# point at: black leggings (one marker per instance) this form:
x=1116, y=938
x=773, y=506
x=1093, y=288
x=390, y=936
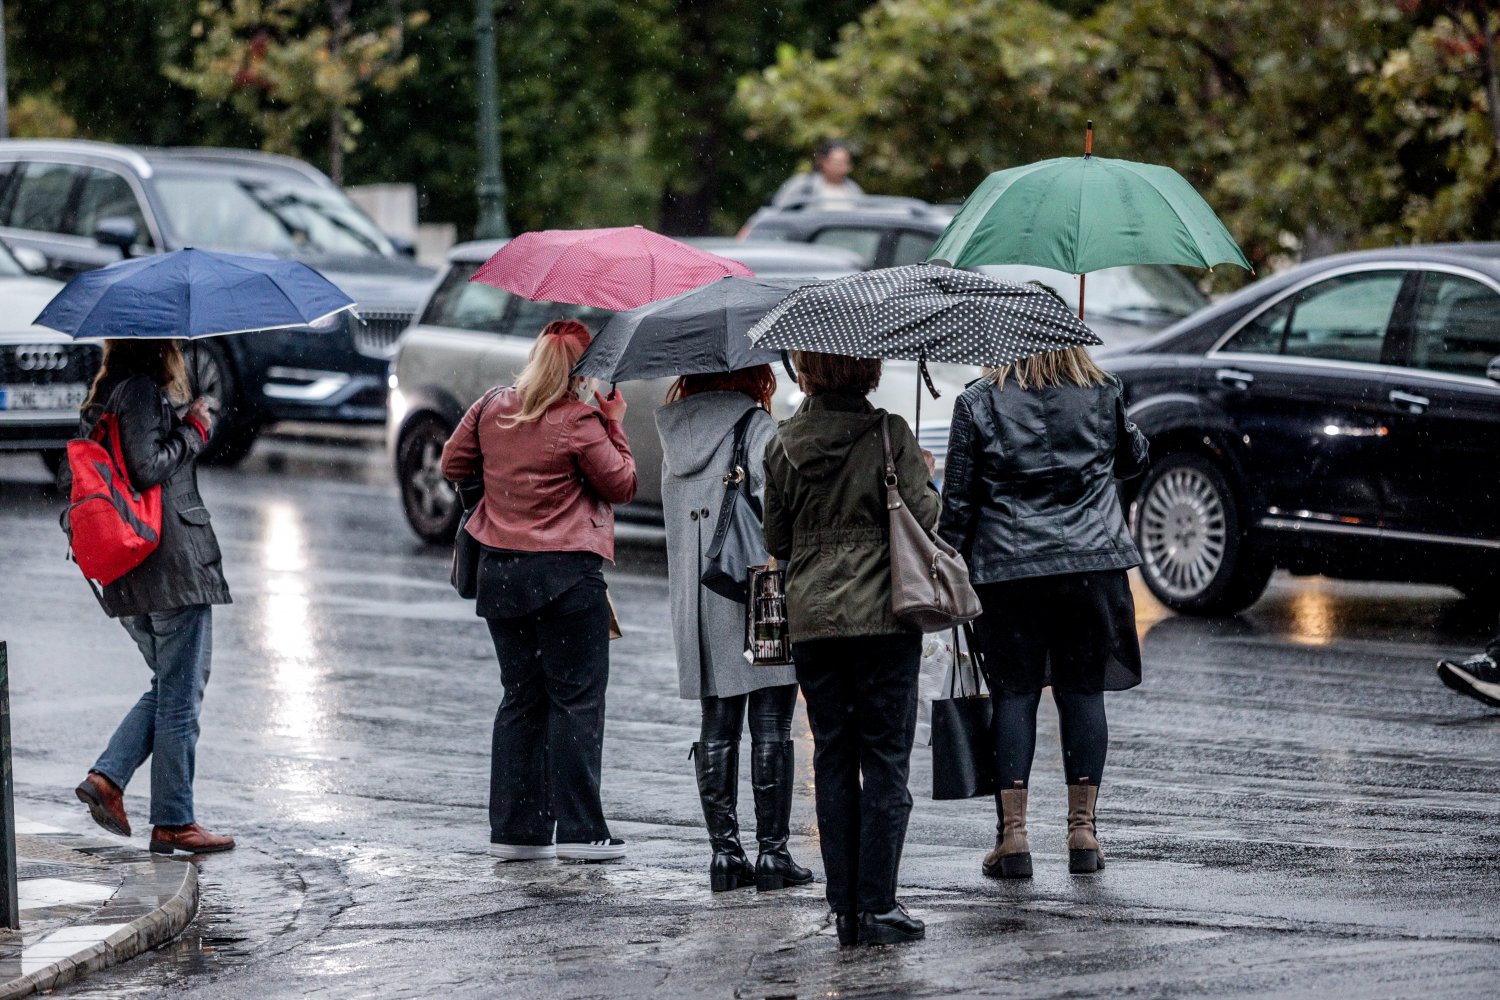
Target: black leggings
x=770, y=712
x=1084, y=730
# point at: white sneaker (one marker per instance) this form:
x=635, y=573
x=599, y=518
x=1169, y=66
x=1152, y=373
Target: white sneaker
x=612, y=849
x=523, y=852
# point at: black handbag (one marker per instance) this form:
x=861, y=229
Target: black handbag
x=963, y=747
x=466, y=548
x=738, y=541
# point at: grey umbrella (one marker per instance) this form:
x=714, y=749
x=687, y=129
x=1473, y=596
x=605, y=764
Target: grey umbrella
x=697, y=332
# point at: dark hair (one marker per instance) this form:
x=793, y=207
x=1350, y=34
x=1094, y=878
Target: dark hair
x=159, y=360
x=757, y=382
x=817, y=373
x=829, y=145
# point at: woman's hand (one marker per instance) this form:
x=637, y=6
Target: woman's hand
x=201, y=412
x=612, y=406
x=931, y=461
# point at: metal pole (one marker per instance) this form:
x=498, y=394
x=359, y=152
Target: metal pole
x=4, y=90
x=492, y=224
x=10, y=905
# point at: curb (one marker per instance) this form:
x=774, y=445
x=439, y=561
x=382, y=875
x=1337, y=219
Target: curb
x=172, y=886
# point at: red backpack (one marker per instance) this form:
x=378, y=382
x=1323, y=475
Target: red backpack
x=112, y=527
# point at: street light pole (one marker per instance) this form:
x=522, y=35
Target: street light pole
x=492, y=224
x=4, y=90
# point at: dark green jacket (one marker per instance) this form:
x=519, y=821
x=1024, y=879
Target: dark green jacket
x=826, y=519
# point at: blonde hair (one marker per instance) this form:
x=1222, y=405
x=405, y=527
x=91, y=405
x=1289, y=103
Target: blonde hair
x=1055, y=368
x=547, y=377
x=159, y=360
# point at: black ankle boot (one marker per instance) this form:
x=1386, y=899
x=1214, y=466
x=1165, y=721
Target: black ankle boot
x=771, y=777
x=895, y=926
x=847, y=924
x=718, y=763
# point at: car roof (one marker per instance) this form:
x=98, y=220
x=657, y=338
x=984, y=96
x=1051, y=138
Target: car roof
x=761, y=256
x=876, y=211
x=145, y=159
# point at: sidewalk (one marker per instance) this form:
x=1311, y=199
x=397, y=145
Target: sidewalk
x=88, y=903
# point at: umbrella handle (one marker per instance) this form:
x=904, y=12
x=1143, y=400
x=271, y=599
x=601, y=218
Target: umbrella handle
x=786, y=362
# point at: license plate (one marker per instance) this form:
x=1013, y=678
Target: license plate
x=43, y=397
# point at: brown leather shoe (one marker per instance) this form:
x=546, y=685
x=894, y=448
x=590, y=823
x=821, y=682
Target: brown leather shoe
x=1011, y=857
x=106, y=802
x=1085, y=856
x=191, y=838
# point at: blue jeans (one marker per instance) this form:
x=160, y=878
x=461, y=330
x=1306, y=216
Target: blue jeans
x=163, y=725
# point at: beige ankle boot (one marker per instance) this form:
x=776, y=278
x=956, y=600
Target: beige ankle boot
x=1084, y=854
x=1011, y=857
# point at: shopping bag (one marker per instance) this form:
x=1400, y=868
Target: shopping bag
x=767, y=640
x=933, y=678
x=963, y=747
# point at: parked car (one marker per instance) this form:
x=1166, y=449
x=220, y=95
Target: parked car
x=86, y=204
x=1340, y=418
x=1123, y=305
x=44, y=375
x=472, y=336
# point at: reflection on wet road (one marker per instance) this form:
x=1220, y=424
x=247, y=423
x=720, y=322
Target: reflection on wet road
x=1293, y=804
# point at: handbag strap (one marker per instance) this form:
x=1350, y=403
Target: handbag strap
x=734, y=481
x=892, y=481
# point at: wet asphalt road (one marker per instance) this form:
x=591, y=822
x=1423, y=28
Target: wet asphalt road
x=1293, y=805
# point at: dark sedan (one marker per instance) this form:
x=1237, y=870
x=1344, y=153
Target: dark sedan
x=1340, y=418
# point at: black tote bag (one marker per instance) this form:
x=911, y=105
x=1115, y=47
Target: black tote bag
x=738, y=541
x=963, y=748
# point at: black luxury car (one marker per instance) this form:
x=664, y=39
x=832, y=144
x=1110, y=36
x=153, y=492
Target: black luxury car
x=82, y=205
x=1340, y=418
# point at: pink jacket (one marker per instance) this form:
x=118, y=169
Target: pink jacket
x=548, y=485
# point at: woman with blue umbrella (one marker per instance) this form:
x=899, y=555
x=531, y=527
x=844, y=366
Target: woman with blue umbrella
x=142, y=308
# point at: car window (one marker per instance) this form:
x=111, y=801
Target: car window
x=104, y=194
x=465, y=304
x=912, y=248
x=1344, y=318
x=41, y=197
x=864, y=242
x=1262, y=335
x=1455, y=326
x=531, y=316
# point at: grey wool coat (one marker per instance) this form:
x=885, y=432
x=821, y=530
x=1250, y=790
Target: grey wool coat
x=697, y=443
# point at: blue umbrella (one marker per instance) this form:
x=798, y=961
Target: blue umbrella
x=193, y=293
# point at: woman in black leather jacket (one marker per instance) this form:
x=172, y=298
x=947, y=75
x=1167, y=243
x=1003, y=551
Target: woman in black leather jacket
x=1029, y=499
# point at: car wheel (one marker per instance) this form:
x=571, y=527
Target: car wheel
x=1187, y=524
x=235, y=426
x=430, y=503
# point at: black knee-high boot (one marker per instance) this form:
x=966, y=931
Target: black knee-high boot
x=771, y=776
x=718, y=764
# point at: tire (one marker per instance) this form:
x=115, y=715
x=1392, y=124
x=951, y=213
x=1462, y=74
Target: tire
x=1187, y=523
x=429, y=502
x=235, y=424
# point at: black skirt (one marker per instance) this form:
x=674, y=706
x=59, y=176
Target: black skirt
x=1073, y=632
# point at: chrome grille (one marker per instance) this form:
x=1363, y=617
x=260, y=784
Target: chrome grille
x=377, y=330
x=49, y=364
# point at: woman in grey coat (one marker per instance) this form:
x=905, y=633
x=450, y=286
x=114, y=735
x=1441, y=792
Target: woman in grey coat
x=698, y=427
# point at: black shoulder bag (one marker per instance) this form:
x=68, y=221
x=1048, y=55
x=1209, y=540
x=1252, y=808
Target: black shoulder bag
x=738, y=541
x=466, y=548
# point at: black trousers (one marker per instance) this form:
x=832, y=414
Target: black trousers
x=547, y=748
x=862, y=706
x=770, y=710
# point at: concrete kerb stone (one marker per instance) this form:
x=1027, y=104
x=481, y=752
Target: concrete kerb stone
x=171, y=885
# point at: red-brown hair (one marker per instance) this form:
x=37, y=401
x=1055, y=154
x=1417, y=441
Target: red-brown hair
x=759, y=383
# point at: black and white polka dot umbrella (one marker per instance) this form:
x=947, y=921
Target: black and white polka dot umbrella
x=922, y=312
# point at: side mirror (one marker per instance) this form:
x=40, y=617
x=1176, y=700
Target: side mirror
x=404, y=246
x=117, y=231
x=1492, y=371
x=32, y=260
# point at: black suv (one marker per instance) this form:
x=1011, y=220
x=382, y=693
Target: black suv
x=85, y=204
x=1340, y=418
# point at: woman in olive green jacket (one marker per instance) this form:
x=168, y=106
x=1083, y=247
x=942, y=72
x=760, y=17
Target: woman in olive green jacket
x=826, y=518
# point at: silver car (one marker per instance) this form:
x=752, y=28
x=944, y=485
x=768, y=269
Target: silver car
x=470, y=337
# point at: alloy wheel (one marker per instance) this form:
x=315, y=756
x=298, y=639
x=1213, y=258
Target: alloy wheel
x=1183, y=532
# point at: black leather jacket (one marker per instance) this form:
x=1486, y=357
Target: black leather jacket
x=186, y=567
x=1029, y=486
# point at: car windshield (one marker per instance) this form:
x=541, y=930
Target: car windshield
x=1147, y=294
x=222, y=212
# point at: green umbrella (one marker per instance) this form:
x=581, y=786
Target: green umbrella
x=1081, y=214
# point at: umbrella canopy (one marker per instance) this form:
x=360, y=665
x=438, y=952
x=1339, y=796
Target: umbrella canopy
x=193, y=293
x=614, y=269
x=922, y=312
x=694, y=333
x=1083, y=213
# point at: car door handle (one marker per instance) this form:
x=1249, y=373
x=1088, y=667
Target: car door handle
x=1409, y=401
x=1234, y=378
